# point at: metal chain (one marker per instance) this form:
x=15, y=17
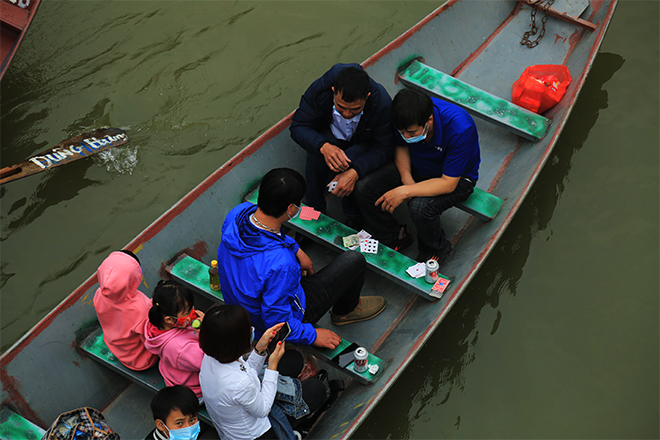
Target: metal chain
x=525, y=40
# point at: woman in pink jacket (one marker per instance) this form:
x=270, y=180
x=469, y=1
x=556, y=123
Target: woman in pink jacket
x=169, y=335
x=122, y=309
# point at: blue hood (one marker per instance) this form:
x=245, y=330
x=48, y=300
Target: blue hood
x=242, y=239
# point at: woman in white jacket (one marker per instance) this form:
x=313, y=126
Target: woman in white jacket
x=237, y=401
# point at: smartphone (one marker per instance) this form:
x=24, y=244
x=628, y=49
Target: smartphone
x=346, y=356
x=281, y=335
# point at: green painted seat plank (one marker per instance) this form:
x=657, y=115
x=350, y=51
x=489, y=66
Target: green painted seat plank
x=15, y=427
x=194, y=273
x=482, y=204
x=366, y=378
x=387, y=262
x=151, y=379
x=478, y=102
x=94, y=345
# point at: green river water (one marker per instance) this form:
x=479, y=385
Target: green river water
x=557, y=336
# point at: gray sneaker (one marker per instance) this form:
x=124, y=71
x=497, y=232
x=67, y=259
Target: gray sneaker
x=368, y=307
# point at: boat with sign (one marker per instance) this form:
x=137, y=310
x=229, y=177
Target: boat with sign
x=468, y=52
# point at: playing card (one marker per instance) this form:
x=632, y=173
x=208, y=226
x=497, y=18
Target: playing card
x=332, y=185
x=309, y=213
x=363, y=235
x=417, y=271
x=369, y=246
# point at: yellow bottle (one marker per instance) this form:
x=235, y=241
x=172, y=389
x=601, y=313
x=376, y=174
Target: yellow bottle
x=214, y=278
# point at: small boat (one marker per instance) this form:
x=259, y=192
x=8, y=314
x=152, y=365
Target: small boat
x=15, y=18
x=465, y=51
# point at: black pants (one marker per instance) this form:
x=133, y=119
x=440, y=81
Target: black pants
x=336, y=286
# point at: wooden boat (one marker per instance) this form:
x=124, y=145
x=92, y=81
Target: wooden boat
x=47, y=372
x=15, y=18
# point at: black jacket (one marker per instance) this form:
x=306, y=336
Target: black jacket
x=315, y=114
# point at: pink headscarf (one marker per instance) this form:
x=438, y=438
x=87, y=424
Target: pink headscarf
x=122, y=310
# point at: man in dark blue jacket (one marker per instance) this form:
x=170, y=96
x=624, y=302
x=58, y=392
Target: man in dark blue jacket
x=343, y=122
x=436, y=166
x=260, y=269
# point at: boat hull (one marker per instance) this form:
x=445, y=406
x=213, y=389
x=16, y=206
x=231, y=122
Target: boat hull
x=47, y=357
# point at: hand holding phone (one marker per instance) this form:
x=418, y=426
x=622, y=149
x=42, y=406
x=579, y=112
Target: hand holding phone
x=281, y=335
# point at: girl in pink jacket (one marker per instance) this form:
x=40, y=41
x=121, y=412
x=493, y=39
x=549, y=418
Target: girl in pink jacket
x=168, y=334
x=122, y=309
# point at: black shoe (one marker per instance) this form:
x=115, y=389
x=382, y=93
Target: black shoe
x=404, y=240
x=441, y=257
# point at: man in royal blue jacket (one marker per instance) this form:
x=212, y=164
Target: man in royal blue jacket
x=260, y=268
x=343, y=122
x=436, y=166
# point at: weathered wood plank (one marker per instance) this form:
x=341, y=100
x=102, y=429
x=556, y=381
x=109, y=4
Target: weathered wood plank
x=478, y=102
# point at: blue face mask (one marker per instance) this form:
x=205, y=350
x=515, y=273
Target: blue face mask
x=189, y=433
x=421, y=137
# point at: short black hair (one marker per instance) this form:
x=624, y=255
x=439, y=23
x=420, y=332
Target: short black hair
x=127, y=252
x=171, y=398
x=411, y=107
x=353, y=84
x=280, y=188
x=169, y=299
x=225, y=333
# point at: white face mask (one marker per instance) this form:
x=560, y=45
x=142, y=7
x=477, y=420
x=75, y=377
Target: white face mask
x=295, y=215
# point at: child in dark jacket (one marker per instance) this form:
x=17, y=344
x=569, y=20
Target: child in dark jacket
x=175, y=410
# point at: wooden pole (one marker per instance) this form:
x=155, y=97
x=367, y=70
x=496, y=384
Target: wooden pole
x=75, y=148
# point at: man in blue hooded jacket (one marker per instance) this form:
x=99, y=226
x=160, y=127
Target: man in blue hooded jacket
x=261, y=267
x=343, y=121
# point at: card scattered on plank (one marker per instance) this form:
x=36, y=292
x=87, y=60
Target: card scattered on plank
x=363, y=235
x=417, y=271
x=332, y=185
x=369, y=246
x=309, y=213
x=440, y=285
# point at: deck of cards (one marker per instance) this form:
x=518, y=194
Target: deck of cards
x=332, y=185
x=440, y=286
x=309, y=213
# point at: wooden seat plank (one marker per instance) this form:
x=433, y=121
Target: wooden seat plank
x=151, y=379
x=482, y=205
x=13, y=16
x=478, y=102
x=567, y=11
x=194, y=274
x=15, y=427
